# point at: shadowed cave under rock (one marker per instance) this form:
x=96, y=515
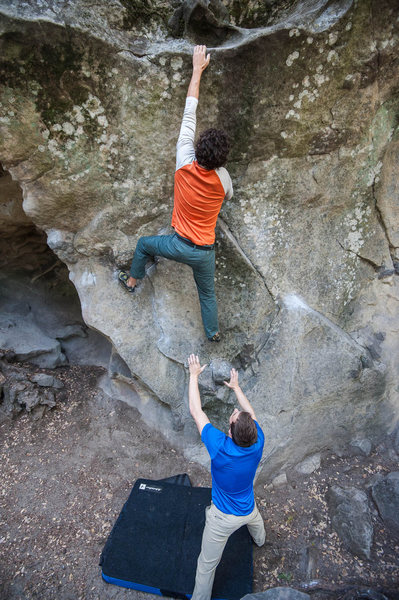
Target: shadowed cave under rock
x=40, y=315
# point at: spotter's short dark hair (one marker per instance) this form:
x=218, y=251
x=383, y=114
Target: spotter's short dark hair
x=212, y=148
x=243, y=431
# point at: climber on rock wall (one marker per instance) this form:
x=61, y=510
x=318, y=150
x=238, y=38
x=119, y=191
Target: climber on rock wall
x=201, y=185
x=234, y=460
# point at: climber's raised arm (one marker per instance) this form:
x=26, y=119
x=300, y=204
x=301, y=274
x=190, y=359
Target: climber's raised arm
x=185, y=153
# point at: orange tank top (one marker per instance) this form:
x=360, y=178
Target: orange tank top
x=198, y=198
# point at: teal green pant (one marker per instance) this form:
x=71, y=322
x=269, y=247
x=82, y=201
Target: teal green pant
x=202, y=263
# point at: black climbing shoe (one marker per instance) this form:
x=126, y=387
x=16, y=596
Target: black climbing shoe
x=123, y=277
x=215, y=338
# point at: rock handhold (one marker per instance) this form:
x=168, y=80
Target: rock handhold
x=203, y=21
x=385, y=494
x=350, y=517
x=220, y=371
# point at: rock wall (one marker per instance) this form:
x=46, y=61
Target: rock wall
x=307, y=249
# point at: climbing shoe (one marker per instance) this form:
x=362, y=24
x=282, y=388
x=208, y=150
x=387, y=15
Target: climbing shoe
x=123, y=277
x=215, y=338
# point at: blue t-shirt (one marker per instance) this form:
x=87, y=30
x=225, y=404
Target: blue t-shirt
x=233, y=470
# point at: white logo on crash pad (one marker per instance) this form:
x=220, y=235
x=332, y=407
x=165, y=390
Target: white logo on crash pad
x=149, y=488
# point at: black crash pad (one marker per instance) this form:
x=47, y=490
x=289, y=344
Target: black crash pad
x=155, y=543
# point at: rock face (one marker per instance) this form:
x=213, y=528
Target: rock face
x=386, y=496
x=91, y=99
x=350, y=516
x=395, y=439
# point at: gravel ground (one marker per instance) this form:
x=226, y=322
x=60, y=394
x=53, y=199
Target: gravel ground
x=64, y=479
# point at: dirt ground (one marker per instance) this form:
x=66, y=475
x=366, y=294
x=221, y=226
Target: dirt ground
x=65, y=477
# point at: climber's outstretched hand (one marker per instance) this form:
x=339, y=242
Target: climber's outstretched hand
x=194, y=365
x=200, y=63
x=200, y=59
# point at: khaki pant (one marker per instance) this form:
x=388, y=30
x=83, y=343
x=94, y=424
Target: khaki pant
x=218, y=529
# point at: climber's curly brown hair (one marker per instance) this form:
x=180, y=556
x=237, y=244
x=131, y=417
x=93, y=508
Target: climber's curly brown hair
x=212, y=148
